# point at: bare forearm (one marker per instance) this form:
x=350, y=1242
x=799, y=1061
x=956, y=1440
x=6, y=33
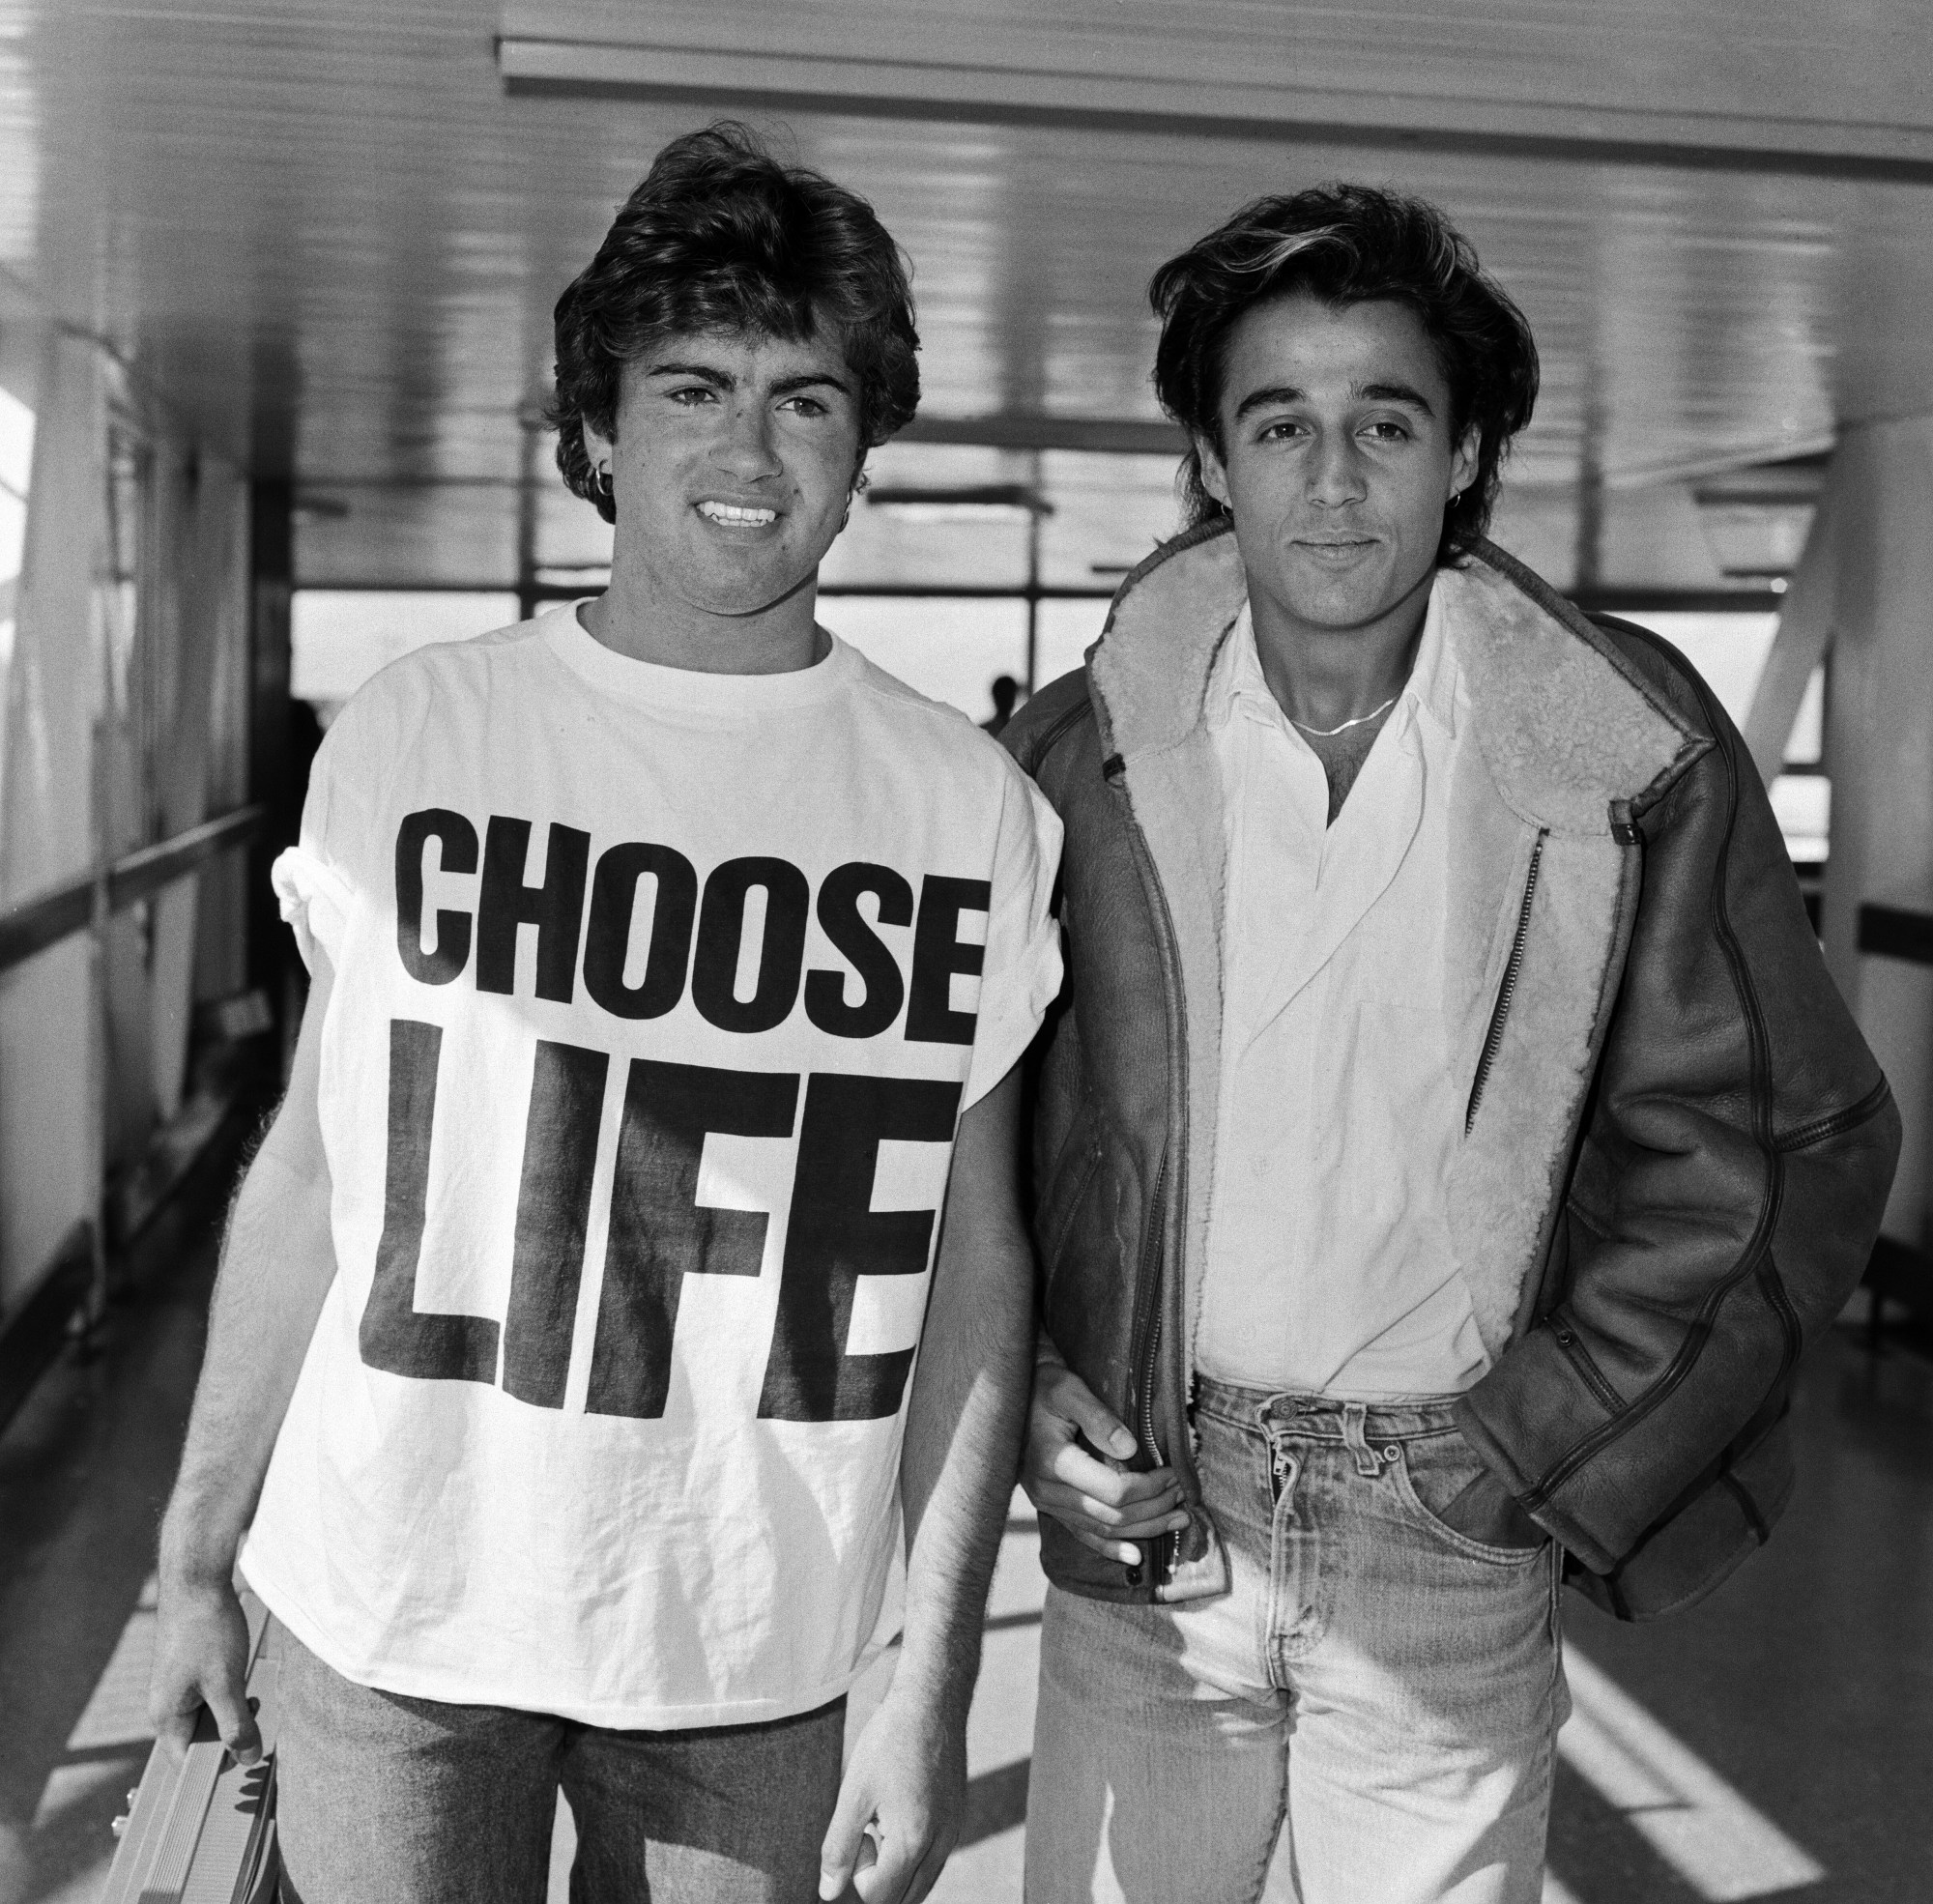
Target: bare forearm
x=963, y=1434
x=277, y=1263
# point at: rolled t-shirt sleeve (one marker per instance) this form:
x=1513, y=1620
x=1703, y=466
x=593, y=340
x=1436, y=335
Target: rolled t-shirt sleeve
x=314, y=883
x=1020, y=970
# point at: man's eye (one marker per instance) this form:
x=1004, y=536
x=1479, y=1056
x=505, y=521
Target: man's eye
x=691, y=396
x=1389, y=430
x=805, y=406
x=1281, y=429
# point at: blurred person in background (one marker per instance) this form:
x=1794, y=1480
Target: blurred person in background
x=1446, y=1141
x=1005, y=690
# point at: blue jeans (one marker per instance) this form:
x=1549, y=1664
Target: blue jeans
x=1369, y=1712
x=416, y=1802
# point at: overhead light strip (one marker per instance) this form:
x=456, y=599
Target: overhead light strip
x=1112, y=103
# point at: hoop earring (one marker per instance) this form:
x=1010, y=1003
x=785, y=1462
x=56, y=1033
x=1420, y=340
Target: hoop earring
x=600, y=484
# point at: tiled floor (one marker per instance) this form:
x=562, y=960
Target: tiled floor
x=1777, y=1742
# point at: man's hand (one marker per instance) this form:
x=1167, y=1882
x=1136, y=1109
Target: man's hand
x=1486, y=1511
x=201, y=1658
x=901, y=1806
x=1096, y=1499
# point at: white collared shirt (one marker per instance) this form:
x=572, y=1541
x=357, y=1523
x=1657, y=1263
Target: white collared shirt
x=1330, y=1269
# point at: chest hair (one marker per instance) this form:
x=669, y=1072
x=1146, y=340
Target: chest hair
x=1343, y=755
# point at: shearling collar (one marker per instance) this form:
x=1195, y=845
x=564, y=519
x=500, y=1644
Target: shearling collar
x=1565, y=726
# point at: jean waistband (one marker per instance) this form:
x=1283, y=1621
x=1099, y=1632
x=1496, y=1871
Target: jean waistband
x=1323, y=1417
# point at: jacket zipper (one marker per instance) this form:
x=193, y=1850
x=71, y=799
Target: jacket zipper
x=1494, y=1036
x=1148, y=1318
x=1147, y=1325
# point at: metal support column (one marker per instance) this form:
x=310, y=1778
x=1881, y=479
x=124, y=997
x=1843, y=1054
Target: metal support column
x=1865, y=588
x=270, y=785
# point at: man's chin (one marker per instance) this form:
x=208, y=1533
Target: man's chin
x=742, y=597
x=1339, y=613
x=1356, y=601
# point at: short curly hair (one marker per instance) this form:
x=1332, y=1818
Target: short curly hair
x=1348, y=244
x=721, y=237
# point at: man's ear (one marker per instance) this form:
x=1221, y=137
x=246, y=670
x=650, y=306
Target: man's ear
x=1463, y=463
x=598, y=447
x=1214, y=475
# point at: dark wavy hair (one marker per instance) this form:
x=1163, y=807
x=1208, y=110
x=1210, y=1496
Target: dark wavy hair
x=1348, y=244
x=721, y=237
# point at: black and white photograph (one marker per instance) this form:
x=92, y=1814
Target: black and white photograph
x=966, y=950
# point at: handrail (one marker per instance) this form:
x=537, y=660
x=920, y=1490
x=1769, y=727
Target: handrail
x=1897, y=931
x=35, y=924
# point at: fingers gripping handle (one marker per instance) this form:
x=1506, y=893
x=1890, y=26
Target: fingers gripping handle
x=199, y=1824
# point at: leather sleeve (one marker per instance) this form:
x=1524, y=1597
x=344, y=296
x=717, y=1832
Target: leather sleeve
x=1738, y=1144
x=1054, y=1063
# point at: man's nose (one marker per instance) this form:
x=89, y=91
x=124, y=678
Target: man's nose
x=746, y=446
x=1336, y=472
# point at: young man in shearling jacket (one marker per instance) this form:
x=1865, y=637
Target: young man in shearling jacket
x=1447, y=1138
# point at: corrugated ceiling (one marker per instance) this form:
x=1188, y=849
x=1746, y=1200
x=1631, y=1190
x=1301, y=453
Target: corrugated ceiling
x=330, y=234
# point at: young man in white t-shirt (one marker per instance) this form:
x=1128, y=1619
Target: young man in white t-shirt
x=671, y=966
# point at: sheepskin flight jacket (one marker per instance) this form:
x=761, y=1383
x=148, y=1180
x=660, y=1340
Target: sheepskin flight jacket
x=1678, y=1145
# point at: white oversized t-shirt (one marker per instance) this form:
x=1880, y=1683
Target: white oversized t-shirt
x=658, y=995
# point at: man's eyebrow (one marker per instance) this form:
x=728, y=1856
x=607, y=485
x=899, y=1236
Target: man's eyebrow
x=1394, y=394
x=1262, y=399
x=1380, y=392
x=807, y=379
x=724, y=380
x=706, y=373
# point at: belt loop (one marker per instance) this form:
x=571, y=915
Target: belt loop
x=1355, y=1421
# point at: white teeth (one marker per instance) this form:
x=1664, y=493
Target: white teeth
x=729, y=512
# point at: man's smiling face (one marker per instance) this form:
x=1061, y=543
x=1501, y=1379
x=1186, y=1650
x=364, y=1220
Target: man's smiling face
x=732, y=466
x=1337, y=460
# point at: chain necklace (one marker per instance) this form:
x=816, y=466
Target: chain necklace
x=1329, y=733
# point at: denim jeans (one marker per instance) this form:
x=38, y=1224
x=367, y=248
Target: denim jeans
x=416, y=1802
x=1367, y=1717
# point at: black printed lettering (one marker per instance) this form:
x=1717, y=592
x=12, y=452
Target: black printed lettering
x=555, y=908
x=937, y=954
x=394, y=1335
x=451, y=950
x=607, y=938
x=660, y=1232
x=878, y=971
x=553, y=1212
x=721, y=927
x=835, y=1237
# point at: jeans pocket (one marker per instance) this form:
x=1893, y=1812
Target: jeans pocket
x=1428, y=1472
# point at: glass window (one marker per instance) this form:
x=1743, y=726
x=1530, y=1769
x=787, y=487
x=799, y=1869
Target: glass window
x=949, y=648
x=1069, y=626
x=339, y=637
x=16, y=462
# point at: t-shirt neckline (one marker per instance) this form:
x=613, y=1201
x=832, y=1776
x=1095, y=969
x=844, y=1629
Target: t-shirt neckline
x=651, y=684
